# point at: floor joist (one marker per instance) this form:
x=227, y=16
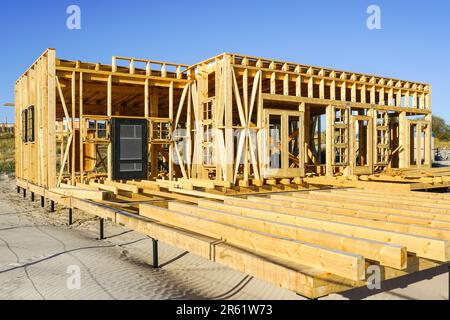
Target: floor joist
x=347, y=265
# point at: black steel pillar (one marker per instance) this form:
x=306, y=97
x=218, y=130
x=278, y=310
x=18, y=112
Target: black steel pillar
x=32, y=197
x=52, y=206
x=42, y=202
x=102, y=229
x=155, y=253
x=70, y=216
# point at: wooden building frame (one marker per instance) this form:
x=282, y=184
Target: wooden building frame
x=231, y=119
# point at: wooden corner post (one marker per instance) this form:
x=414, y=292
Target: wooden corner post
x=51, y=119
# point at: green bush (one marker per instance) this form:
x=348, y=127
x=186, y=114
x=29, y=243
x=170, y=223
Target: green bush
x=441, y=129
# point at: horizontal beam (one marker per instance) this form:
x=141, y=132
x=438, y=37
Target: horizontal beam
x=378, y=213
x=198, y=194
x=387, y=254
x=350, y=266
x=408, y=198
x=81, y=193
x=426, y=247
x=438, y=233
x=327, y=102
x=292, y=65
x=331, y=181
x=338, y=199
x=388, y=201
x=121, y=78
x=106, y=187
x=122, y=186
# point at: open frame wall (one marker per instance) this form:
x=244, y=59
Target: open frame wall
x=234, y=119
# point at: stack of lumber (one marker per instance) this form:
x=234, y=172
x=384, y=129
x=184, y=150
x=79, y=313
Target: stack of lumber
x=393, y=181
x=336, y=232
x=418, y=172
x=422, y=178
x=313, y=242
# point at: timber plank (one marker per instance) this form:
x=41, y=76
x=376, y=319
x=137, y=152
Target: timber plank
x=387, y=254
x=426, y=247
x=80, y=193
x=438, y=233
x=343, y=264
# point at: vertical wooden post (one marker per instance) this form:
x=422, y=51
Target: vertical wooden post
x=38, y=121
x=51, y=119
x=189, y=134
x=428, y=133
x=301, y=138
x=109, y=112
x=307, y=133
x=114, y=64
x=411, y=140
x=229, y=137
x=298, y=82
x=374, y=141
x=419, y=144
x=247, y=117
x=261, y=133
x=329, y=138
x=17, y=126
x=146, y=99
x=154, y=112
x=44, y=125
x=351, y=145
x=74, y=142
x=428, y=144
x=371, y=138
x=81, y=128
x=171, y=117
x=319, y=139
x=146, y=115
x=403, y=140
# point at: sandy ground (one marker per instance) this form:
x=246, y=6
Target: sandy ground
x=37, y=248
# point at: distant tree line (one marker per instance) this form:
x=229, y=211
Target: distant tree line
x=441, y=130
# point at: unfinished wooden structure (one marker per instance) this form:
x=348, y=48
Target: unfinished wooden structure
x=232, y=119
x=228, y=158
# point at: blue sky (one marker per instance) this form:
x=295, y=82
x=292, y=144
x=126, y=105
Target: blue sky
x=412, y=45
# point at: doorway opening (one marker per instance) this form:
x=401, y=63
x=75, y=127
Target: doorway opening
x=284, y=149
x=362, y=144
